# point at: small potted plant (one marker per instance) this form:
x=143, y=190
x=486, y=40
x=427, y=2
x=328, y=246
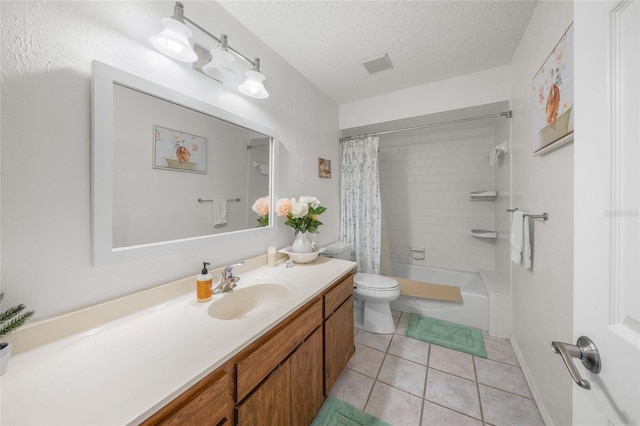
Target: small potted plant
x=10, y=320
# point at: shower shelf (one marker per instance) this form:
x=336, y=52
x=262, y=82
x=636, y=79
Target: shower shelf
x=484, y=195
x=483, y=233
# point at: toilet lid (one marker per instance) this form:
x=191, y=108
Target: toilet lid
x=374, y=282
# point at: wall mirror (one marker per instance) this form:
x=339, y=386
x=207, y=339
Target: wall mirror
x=169, y=172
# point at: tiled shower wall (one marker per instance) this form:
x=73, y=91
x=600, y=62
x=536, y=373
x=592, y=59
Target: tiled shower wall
x=425, y=183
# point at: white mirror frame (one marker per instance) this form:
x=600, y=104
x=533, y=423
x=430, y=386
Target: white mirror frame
x=103, y=252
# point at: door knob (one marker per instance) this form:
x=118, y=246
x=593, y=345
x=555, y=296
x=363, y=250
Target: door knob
x=584, y=350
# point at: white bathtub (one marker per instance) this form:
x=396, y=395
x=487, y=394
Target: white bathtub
x=472, y=311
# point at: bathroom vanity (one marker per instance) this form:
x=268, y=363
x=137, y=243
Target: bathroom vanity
x=281, y=377
x=175, y=363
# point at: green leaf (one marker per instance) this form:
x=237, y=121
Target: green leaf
x=15, y=323
x=10, y=313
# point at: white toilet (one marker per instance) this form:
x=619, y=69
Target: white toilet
x=373, y=294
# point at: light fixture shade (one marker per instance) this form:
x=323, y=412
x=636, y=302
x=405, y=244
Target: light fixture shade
x=253, y=86
x=173, y=41
x=219, y=67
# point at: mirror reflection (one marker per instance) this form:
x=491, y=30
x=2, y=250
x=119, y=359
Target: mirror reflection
x=180, y=173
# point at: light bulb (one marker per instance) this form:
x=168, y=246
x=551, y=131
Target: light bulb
x=173, y=41
x=253, y=86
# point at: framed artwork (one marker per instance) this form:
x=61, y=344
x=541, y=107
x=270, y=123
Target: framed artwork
x=552, y=98
x=179, y=151
x=324, y=168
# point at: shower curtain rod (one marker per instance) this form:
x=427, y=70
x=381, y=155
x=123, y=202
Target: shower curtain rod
x=442, y=123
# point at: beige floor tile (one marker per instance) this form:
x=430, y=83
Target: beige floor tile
x=505, y=409
x=404, y=375
x=502, y=376
x=453, y=392
x=408, y=348
x=366, y=360
x=436, y=415
x=500, y=350
x=401, y=327
x=373, y=340
x=453, y=362
x=394, y=406
x=353, y=387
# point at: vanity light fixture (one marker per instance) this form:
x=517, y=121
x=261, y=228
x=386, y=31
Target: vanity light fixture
x=219, y=67
x=253, y=86
x=173, y=41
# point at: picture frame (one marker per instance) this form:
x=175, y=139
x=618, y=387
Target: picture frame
x=179, y=151
x=552, y=106
x=324, y=168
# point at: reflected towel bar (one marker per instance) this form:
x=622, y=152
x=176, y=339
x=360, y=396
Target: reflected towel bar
x=543, y=216
x=200, y=200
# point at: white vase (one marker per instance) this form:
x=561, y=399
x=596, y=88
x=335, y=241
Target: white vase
x=5, y=352
x=302, y=243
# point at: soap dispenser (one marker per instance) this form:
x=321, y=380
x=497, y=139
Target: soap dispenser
x=204, y=282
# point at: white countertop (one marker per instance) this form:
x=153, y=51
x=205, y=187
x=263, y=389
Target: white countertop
x=124, y=371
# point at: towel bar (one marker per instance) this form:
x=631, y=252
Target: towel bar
x=543, y=216
x=200, y=200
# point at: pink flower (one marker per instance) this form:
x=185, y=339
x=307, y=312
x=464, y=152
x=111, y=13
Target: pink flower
x=283, y=207
x=261, y=206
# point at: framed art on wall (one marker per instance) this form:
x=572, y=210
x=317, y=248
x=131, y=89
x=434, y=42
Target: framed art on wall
x=552, y=98
x=180, y=151
x=324, y=168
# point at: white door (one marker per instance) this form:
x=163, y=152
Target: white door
x=607, y=204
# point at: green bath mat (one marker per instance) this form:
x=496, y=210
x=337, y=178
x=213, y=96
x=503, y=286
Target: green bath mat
x=442, y=333
x=338, y=413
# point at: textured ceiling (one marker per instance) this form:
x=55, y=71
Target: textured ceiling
x=427, y=41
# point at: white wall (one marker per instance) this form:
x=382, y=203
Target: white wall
x=425, y=182
x=47, y=49
x=481, y=88
x=542, y=297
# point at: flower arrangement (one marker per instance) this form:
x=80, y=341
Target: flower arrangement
x=261, y=207
x=302, y=214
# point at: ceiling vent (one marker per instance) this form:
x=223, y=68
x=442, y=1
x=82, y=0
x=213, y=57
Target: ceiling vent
x=378, y=63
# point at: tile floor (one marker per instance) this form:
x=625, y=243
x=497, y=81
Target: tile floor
x=404, y=381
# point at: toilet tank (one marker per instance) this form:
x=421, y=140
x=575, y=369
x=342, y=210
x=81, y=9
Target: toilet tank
x=337, y=250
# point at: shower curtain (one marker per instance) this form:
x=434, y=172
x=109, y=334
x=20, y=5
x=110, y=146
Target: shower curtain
x=360, y=214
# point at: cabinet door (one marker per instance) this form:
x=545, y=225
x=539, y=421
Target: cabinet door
x=306, y=380
x=270, y=403
x=209, y=402
x=338, y=343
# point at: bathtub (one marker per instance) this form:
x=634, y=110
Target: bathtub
x=473, y=310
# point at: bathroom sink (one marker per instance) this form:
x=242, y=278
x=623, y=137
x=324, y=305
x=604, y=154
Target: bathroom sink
x=248, y=301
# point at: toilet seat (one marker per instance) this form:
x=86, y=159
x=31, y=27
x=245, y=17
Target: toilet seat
x=366, y=281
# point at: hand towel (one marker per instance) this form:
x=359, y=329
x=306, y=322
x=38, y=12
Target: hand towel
x=517, y=236
x=219, y=212
x=526, y=245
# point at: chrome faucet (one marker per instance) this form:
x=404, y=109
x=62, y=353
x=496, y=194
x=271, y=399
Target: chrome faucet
x=228, y=280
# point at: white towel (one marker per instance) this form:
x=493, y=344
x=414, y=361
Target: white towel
x=526, y=245
x=219, y=212
x=517, y=236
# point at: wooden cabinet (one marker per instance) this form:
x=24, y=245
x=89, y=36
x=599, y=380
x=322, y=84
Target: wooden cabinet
x=209, y=402
x=270, y=403
x=292, y=394
x=281, y=378
x=338, y=331
x=306, y=380
x=269, y=351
